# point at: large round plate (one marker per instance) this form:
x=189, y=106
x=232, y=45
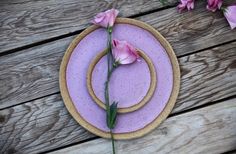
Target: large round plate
x=74, y=68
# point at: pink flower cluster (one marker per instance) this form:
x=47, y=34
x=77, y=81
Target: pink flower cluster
x=212, y=5
x=118, y=53
x=122, y=51
x=230, y=15
x=106, y=19
x=189, y=4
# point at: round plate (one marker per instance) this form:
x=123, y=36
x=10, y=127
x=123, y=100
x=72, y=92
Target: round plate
x=131, y=89
x=73, y=76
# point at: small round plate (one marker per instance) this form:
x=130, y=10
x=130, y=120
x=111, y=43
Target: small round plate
x=132, y=86
x=73, y=77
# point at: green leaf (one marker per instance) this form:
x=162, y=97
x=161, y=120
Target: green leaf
x=111, y=115
x=113, y=110
x=108, y=117
x=163, y=2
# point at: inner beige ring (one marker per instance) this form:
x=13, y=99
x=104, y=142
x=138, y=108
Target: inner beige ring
x=138, y=105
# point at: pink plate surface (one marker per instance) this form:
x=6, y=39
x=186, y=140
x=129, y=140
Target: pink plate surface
x=128, y=84
x=136, y=79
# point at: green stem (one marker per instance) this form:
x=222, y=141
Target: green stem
x=109, y=54
x=223, y=9
x=107, y=88
x=110, y=69
x=109, y=32
x=113, y=142
x=107, y=104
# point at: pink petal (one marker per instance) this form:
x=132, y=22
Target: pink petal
x=210, y=2
x=213, y=5
x=123, y=52
x=220, y=4
x=106, y=18
x=114, y=43
x=99, y=17
x=133, y=51
x=125, y=57
x=232, y=24
x=230, y=15
x=112, y=16
x=189, y=4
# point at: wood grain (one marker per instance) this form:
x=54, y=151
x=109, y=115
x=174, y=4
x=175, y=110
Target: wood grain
x=207, y=76
x=191, y=31
x=30, y=74
x=33, y=73
x=45, y=124
x=37, y=126
x=207, y=130
x=25, y=22
x=28, y=22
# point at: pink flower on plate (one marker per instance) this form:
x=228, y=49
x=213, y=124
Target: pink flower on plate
x=123, y=52
x=230, y=15
x=213, y=5
x=189, y=4
x=106, y=19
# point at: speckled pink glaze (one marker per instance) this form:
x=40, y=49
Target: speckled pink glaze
x=128, y=84
x=94, y=43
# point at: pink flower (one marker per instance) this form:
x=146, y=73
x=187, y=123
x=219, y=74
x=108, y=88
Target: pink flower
x=230, y=15
x=213, y=5
x=189, y=4
x=123, y=52
x=106, y=18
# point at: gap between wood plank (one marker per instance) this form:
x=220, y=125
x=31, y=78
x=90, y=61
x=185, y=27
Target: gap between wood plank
x=75, y=32
x=230, y=152
x=7, y=52
x=208, y=48
x=30, y=100
x=183, y=113
x=37, y=43
x=171, y=115
x=59, y=148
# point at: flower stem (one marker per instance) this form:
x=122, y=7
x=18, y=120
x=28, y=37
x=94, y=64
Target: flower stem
x=113, y=142
x=109, y=61
x=109, y=31
x=110, y=69
x=109, y=54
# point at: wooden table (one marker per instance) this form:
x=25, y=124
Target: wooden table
x=33, y=38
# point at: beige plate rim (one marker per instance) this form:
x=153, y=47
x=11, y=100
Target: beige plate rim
x=145, y=99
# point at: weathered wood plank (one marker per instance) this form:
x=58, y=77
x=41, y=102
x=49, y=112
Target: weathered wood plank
x=207, y=76
x=191, y=31
x=231, y=152
x=45, y=124
x=33, y=73
x=37, y=126
x=207, y=130
x=25, y=22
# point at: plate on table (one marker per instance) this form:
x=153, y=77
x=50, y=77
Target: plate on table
x=158, y=70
